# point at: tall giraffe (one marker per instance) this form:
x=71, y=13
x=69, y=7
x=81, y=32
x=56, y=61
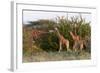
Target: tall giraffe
x=62, y=40
x=78, y=43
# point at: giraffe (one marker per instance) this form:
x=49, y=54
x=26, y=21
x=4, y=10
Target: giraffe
x=62, y=40
x=78, y=43
x=36, y=34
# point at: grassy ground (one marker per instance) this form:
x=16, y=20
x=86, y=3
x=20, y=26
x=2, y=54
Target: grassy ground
x=39, y=55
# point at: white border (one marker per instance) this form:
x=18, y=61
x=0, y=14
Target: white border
x=17, y=38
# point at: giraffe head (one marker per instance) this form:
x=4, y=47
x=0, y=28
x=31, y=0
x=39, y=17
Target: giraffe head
x=70, y=32
x=51, y=31
x=56, y=29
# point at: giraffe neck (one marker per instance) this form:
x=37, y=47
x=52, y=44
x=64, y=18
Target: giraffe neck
x=58, y=34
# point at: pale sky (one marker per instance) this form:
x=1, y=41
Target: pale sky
x=37, y=15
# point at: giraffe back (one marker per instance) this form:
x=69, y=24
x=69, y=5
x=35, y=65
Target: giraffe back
x=37, y=34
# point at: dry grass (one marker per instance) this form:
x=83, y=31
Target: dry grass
x=38, y=55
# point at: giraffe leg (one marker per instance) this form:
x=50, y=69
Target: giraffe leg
x=81, y=46
x=60, y=46
x=74, y=47
x=67, y=47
